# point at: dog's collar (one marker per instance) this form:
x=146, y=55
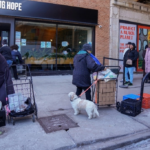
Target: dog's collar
x=74, y=99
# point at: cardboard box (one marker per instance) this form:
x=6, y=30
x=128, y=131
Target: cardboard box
x=106, y=92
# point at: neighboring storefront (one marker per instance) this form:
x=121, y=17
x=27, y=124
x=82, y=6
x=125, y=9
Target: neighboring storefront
x=49, y=35
x=133, y=21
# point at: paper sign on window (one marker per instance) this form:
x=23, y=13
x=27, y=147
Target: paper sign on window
x=64, y=44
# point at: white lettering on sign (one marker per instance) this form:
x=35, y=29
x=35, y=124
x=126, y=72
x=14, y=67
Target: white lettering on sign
x=2, y=4
x=10, y=5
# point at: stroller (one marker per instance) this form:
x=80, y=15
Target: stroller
x=21, y=101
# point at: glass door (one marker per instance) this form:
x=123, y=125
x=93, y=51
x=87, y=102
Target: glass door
x=143, y=40
x=5, y=35
x=4, y=32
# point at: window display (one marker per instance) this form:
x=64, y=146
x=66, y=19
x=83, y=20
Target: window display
x=38, y=46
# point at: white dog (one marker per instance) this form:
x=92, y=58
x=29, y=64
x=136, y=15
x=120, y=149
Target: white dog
x=79, y=104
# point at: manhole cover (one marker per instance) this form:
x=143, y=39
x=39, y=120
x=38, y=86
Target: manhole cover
x=56, y=123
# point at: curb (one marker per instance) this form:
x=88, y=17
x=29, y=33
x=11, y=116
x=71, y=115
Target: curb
x=126, y=140
x=110, y=143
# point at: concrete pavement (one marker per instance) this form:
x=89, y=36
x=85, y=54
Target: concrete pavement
x=51, y=97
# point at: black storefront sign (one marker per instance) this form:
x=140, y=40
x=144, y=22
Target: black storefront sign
x=40, y=10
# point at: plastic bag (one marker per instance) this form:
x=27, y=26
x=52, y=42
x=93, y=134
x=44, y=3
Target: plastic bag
x=110, y=76
x=17, y=102
x=104, y=75
x=29, y=110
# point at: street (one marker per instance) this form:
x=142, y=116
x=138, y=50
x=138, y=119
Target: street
x=142, y=145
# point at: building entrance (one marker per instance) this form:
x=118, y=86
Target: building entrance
x=4, y=32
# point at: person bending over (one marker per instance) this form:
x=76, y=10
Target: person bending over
x=83, y=66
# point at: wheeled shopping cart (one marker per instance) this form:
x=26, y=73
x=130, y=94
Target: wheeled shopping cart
x=21, y=101
x=105, y=93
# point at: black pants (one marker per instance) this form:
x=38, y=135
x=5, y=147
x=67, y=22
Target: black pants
x=15, y=72
x=88, y=93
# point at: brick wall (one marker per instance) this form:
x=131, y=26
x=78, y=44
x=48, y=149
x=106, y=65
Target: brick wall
x=101, y=35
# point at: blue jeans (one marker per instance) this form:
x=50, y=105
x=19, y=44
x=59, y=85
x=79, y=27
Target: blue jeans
x=9, y=62
x=130, y=70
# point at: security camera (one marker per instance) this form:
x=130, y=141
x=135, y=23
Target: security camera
x=100, y=26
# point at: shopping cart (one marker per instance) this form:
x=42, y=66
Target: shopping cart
x=21, y=101
x=105, y=93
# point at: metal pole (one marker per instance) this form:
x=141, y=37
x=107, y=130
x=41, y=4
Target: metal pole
x=103, y=61
x=123, y=73
x=142, y=86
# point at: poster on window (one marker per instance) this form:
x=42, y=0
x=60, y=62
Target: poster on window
x=18, y=40
x=48, y=44
x=5, y=38
x=43, y=44
x=23, y=42
x=128, y=33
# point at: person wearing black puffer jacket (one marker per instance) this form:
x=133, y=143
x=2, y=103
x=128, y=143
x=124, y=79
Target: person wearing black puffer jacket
x=84, y=65
x=131, y=55
x=15, y=54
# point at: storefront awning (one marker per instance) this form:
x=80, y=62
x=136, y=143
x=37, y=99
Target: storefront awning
x=48, y=11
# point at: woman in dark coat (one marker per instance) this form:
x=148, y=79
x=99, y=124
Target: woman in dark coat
x=5, y=76
x=132, y=55
x=83, y=66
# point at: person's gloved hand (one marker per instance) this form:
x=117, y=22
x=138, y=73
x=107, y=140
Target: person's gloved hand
x=105, y=69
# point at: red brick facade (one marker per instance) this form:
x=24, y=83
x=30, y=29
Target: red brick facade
x=101, y=35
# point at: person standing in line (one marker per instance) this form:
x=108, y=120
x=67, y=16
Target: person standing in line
x=84, y=64
x=130, y=60
x=126, y=49
x=5, y=50
x=147, y=62
x=5, y=79
x=143, y=64
x=15, y=54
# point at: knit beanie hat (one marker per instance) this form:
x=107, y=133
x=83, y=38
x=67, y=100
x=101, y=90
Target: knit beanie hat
x=4, y=42
x=133, y=45
x=87, y=47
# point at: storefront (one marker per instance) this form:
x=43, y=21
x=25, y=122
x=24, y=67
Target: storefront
x=132, y=20
x=48, y=35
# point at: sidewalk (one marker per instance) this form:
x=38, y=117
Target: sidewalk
x=51, y=97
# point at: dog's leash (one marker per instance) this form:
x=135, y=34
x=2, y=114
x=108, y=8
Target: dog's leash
x=88, y=88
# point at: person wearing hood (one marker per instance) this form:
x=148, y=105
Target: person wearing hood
x=15, y=54
x=147, y=62
x=130, y=60
x=5, y=79
x=84, y=65
x=5, y=50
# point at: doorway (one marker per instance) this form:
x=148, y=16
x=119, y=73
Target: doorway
x=4, y=32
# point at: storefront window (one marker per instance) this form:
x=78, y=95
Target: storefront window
x=70, y=41
x=143, y=40
x=37, y=44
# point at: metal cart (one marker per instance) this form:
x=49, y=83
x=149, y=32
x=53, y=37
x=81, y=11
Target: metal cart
x=22, y=91
x=105, y=93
